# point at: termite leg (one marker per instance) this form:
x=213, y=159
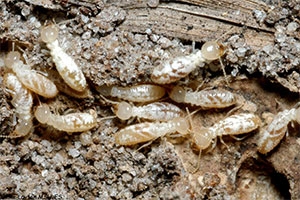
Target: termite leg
x=193, y=46
x=108, y=100
x=139, y=120
x=144, y=145
x=222, y=141
x=213, y=146
x=238, y=138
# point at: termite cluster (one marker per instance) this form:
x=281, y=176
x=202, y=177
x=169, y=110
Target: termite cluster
x=159, y=118
x=22, y=82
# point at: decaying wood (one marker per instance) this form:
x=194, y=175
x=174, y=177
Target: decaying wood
x=198, y=20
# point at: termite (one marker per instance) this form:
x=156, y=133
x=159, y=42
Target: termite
x=180, y=67
x=232, y=125
x=157, y=111
x=276, y=130
x=74, y=122
x=22, y=101
x=65, y=64
x=149, y=131
x=30, y=78
x=138, y=93
x=206, y=99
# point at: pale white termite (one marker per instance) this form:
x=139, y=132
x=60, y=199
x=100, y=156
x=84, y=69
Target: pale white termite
x=30, y=78
x=177, y=68
x=232, y=125
x=65, y=64
x=138, y=93
x=22, y=101
x=276, y=130
x=149, y=131
x=206, y=99
x=157, y=111
x=74, y=122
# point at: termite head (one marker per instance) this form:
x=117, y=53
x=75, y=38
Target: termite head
x=123, y=110
x=202, y=138
x=49, y=33
x=11, y=58
x=42, y=113
x=182, y=125
x=23, y=127
x=178, y=94
x=212, y=50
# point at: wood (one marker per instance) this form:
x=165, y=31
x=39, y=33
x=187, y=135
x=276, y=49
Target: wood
x=198, y=20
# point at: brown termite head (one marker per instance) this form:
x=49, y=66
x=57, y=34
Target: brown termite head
x=178, y=94
x=11, y=58
x=49, y=33
x=42, y=114
x=123, y=110
x=212, y=50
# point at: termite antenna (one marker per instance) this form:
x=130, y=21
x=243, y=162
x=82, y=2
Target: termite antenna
x=25, y=56
x=38, y=98
x=224, y=72
x=13, y=136
x=224, y=50
x=226, y=33
x=108, y=100
x=108, y=117
x=189, y=116
x=233, y=110
x=64, y=21
x=198, y=163
x=200, y=85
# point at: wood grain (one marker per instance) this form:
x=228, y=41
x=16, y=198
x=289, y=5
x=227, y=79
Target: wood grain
x=198, y=20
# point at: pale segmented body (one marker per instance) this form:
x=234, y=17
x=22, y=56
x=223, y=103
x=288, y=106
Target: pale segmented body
x=138, y=93
x=173, y=70
x=22, y=101
x=148, y=131
x=204, y=98
x=29, y=78
x=74, y=122
x=276, y=130
x=59, y=82
x=158, y=111
x=233, y=125
x=65, y=64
